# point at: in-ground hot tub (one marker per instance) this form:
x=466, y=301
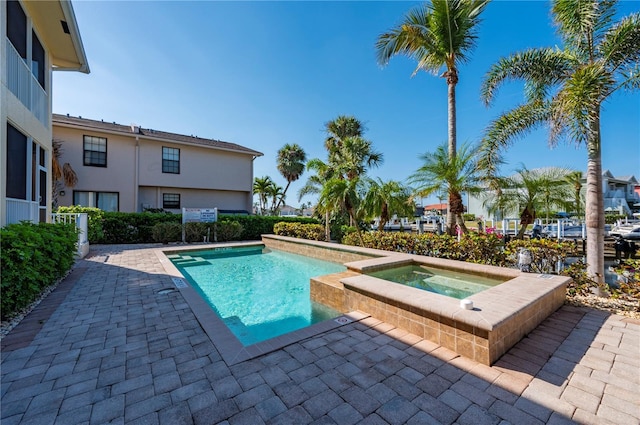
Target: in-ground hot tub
x=501, y=316
x=452, y=283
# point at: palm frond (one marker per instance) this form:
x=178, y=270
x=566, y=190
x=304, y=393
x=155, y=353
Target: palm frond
x=69, y=175
x=540, y=69
x=620, y=45
x=577, y=105
x=583, y=23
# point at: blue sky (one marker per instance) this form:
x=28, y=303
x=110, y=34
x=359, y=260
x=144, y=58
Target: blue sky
x=262, y=74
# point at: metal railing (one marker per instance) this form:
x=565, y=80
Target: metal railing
x=25, y=86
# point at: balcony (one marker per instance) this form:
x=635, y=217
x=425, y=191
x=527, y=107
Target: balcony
x=25, y=86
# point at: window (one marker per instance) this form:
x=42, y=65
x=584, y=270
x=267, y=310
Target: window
x=171, y=201
x=25, y=177
x=170, y=160
x=37, y=59
x=16, y=163
x=17, y=27
x=95, y=151
x=106, y=201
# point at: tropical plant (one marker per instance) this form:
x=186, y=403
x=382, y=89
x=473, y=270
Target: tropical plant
x=565, y=88
x=291, y=162
x=262, y=187
x=575, y=180
x=62, y=175
x=343, y=194
x=384, y=199
x=349, y=157
x=456, y=175
x=276, y=193
x=530, y=192
x=437, y=35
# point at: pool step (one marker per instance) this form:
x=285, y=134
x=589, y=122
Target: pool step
x=190, y=261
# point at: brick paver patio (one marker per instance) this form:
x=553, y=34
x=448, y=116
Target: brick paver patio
x=107, y=347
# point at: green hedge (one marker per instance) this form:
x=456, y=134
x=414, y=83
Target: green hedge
x=313, y=232
x=120, y=227
x=197, y=232
x=473, y=247
x=33, y=257
x=255, y=225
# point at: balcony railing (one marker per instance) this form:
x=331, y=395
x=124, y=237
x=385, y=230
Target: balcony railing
x=19, y=210
x=25, y=86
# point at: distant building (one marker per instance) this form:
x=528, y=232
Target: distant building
x=621, y=195
x=128, y=168
x=37, y=37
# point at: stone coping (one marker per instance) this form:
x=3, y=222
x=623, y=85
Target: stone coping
x=230, y=348
x=492, y=307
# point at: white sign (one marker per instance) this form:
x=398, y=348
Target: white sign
x=199, y=215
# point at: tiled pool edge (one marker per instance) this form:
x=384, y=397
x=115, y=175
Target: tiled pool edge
x=501, y=317
x=230, y=348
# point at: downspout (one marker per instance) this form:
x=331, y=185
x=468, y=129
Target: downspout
x=136, y=177
x=251, y=187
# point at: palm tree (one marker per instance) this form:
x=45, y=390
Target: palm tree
x=340, y=194
x=384, y=199
x=531, y=191
x=322, y=173
x=291, y=159
x=277, y=197
x=455, y=175
x=61, y=175
x=341, y=128
x=437, y=35
x=575, y=180
x=349, y=157
x=565, y=89
x=349, y=154
x=262, y=187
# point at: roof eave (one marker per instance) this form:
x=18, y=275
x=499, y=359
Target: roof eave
x=76, y=39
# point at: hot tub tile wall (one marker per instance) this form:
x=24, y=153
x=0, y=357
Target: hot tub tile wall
x=503, y=314
x=312, y=249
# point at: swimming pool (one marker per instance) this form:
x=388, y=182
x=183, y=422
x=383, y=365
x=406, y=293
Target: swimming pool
x=454, y=284
x=258, y=293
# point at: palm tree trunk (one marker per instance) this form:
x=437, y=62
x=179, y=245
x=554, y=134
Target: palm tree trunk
x=594, y=209
x=327, y=228
x=451, y=121
x=281, y=200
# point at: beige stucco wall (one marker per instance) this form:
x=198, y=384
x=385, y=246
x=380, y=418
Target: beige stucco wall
x=200, y=168
x=117, y=176
x=195, y=198
x=208, y=177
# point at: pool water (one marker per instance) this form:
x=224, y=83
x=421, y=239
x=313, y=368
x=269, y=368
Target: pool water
x=258, y=293
x=445, y=282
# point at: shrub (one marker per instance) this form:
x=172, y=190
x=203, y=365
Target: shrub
x=120, y=227
x=300, y=230
x=545, y=253
x=255, y=225
x=167, y=232
x=33, y=256
x=468, y=217
x=228, y=231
